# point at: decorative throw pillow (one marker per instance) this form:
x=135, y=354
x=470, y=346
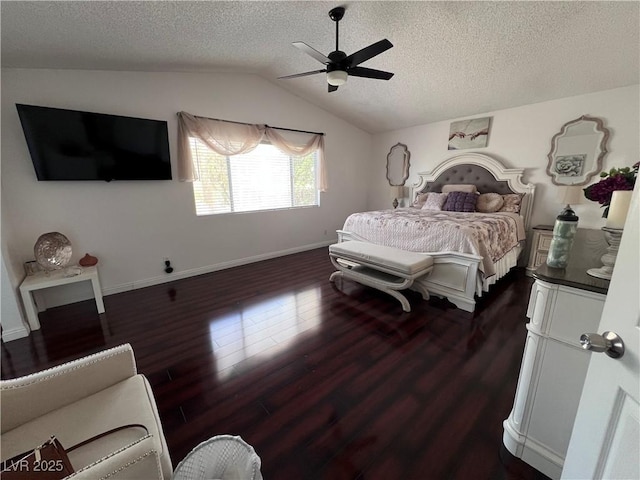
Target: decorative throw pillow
x=419, y=200
x=459, y=187
x=489, y=202
x=511, y=203
x=461, y=202
x=435, y=201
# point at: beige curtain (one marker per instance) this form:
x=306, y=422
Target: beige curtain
x=227, y=138
x=316, y=142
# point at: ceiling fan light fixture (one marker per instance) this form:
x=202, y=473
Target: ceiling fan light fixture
x=337, y=77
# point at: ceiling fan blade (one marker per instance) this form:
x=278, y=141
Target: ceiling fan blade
x=367, y=52
x=312, y=52
x=332, y=88
x=296, y=75
x=369, y=73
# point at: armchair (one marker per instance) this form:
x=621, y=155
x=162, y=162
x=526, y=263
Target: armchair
x=83, y=398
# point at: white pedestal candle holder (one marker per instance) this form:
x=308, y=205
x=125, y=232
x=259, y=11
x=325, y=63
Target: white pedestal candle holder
x=612, y=236
x=620, y=202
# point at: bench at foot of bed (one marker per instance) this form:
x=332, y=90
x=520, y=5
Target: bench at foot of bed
x=387, y=269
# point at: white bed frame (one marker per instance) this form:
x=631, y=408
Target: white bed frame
x=455, y=275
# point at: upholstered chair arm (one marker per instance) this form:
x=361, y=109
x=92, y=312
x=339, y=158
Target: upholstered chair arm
x=138, y=460
x=31, y=396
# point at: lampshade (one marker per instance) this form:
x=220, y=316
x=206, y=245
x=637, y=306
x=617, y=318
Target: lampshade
x=570, y=195
x=337, y=77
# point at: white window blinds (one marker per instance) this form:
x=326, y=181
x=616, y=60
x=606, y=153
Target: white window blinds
x=263, y=179
x=234, y=138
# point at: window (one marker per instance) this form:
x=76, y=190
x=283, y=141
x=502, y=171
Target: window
x=263, y=179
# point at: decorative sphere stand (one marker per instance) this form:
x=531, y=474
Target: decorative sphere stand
x=612, y=236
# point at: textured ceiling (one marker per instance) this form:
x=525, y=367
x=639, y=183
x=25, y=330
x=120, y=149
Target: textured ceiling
x=450, y=59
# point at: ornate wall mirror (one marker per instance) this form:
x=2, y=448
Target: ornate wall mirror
x=398, y=164
x=577, y=151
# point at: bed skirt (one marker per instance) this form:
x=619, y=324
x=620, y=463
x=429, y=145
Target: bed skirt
x=457, y=276
x=502, y=266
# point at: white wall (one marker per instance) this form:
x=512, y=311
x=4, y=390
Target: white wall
x=13, y=326
x=132, y=226
x=521, y=137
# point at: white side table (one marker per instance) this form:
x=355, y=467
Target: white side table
x=53, y=279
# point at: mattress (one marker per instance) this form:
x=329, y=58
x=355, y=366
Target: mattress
x=489, y=235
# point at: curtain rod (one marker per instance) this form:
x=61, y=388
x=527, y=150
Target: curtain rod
x=277, y=128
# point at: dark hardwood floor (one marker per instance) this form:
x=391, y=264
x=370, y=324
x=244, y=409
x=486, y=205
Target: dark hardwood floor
x=325, y=382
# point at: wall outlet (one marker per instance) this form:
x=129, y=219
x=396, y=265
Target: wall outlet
x=168, y=268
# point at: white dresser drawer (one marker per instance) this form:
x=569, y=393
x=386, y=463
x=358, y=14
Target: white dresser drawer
x=541, y=257
x=545, y=242
x=540, y=243
x=554, y=366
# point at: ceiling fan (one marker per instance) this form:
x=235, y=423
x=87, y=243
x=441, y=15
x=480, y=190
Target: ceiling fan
x=339, y=65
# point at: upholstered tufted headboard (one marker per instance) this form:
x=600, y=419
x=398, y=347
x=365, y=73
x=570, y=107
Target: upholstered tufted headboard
x=469, y=174
x=486, y=173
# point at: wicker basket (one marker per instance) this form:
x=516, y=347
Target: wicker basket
x=224, y=457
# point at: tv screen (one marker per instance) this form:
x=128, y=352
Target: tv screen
x=73, y=145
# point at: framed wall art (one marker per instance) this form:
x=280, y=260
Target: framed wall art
x=569, y=165
x=473, y=133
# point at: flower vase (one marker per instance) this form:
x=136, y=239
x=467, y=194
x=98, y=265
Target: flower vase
x=88, y=261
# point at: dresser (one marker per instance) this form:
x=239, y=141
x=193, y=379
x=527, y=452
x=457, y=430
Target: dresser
x=564, y=303
x=540, y=242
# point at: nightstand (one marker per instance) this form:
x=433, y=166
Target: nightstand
x=542, y=235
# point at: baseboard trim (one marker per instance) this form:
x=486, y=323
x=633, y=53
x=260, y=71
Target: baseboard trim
x=14, y=333
x=149, y=282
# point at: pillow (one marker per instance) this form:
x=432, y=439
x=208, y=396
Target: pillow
x=434, y=202
x=489, y=202
x=461, y=202
x=511, y=203
x=460, y=187
x=419, y=200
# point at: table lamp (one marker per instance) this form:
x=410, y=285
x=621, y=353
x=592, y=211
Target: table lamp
x=564, y=230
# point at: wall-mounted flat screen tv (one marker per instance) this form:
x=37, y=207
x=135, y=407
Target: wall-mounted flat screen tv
x=74, y=145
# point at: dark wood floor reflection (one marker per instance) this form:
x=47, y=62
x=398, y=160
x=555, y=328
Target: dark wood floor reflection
x=325, y=382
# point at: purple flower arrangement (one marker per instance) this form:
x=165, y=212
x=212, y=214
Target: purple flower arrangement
x=615, y=179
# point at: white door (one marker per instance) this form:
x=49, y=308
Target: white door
x=605, y=442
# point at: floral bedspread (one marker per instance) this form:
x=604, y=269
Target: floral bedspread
x=490, y=235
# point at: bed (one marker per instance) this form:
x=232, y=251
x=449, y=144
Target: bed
x=471, y=251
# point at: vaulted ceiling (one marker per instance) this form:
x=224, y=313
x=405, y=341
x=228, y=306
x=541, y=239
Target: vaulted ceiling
x=450, y=59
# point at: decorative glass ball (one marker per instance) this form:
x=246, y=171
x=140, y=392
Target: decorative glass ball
x=52, y=251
